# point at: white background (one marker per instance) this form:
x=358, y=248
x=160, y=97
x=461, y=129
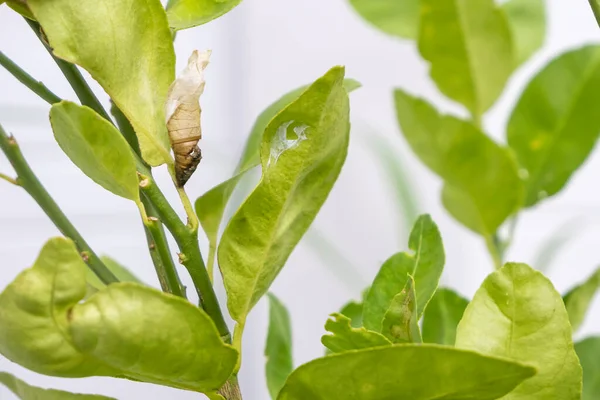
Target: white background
x=261, y=50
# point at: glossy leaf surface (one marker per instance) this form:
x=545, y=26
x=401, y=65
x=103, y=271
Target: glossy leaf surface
x=519, y=315
x=469, y=46
x=482, y=184
x=398, y=18
x=429, y=372
x=400, y=323
x=185, y=14
x=96, y=147
x=343, y=337
x=126, y=45
x=278, y=350
x=527, y=22
x=553, y=128
x=302, y=152
x=425, y=265
x=125, y=330
x=442, y=316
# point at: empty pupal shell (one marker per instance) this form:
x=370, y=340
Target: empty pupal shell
x=182, y=110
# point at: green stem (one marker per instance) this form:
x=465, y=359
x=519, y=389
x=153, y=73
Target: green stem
x=493, y=249
x=190, y=256
x=29, y=182
x=126, y=130
x=9, y=179
x=595, y=4
x=161, y=254
x=36, y=86
x=70, y=71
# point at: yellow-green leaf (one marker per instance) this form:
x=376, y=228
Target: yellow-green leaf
x=394, y=17
x=482, y=183
x=278, y=350
x=517, y=314
x=527, y=22
x=578, y=300
x=553, y=129
x=469, y=46
x=126, y=45
x=185, y=14
x=124, y=330
x=96, y=147
x=302, y=152
x=425, y=266
x=344, y=337
x=405, y=372
x=442, y=316
x=24, y=391
x=401, y=323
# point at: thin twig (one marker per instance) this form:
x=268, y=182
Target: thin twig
x=9, y=179
x=32, y=185
x=36, y=86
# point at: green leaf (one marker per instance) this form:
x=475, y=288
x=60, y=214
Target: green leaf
x=126, y=45
x=553, y=129
x=482, y=184
x=210, y=207
x=527, y=22
x=125, y=330
x=96, y=147
x=405, y=372
x=344, y=338
x=278, y=350
x=519, y=315
x=24, y=391
x=588, y=351
x=20, y=6
x=400, y=323
x=302, y=152
x=398, y=18
x=184, y=14
x=469, y=46
x=442, y=316
x=578, y=300
x=118, y=270
x=425, y=265
x=354, y=310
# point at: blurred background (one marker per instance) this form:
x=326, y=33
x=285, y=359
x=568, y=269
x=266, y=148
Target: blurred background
x=261, y=50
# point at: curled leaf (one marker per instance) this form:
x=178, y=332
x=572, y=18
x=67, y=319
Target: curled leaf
x=182, y=111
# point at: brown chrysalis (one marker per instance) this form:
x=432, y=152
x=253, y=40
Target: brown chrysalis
x=183, y=116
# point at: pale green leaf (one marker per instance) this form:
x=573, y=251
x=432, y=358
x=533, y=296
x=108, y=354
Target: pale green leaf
x=469, y=46
x=125, y=330
x=394, y=17
x=425, y=265
x=553, y=129
x=405, y=372
x=96, y=147
x=24, y=391
x=20, y=6
x=344, y=337
x=442, y=316
x=482, y=184
x=578, y=300
x=517, y=314
x=527, y=22
x=126, y=45
x=185, y=14
x=210, y=207
x=280, y=362
x=400, y=323
x=302, y=152
x=354, y=311
x=588, y=351
x=118, y=270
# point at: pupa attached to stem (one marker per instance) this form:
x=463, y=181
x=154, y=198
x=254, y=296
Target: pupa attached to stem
x=182, y=110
